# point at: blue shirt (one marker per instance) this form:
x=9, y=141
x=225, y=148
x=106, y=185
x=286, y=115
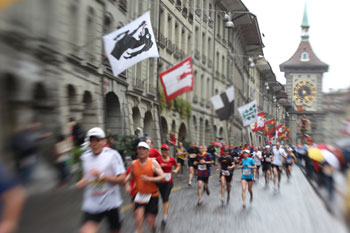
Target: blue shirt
x=247, y=173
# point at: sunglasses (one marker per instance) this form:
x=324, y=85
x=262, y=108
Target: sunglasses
x=163, y=149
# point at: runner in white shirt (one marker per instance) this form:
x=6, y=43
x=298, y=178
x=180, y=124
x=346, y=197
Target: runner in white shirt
x=257, y=159
x=278, y=155
x=103, y=171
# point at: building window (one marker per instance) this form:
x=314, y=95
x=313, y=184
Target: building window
x=73, y=22
x=304, y=57
x=90, y=34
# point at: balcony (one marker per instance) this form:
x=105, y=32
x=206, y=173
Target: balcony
x=204, y=59
x=205, y=18
x=197, y=54
x=208, y=104
x=198, y=12
x=184, y=12
x=210, y=63
x=170, y=47
x=190, y=17
x=195, y=99
x=177, y=53
x=162, y=41
x=178, y=5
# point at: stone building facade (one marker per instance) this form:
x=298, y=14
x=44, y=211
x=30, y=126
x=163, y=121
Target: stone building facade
x=53, y=67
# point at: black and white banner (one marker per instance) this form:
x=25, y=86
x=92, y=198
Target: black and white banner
x=130, y=44
x=224, y=104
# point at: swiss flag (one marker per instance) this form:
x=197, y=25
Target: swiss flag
x=260, y=122
x=178, y=79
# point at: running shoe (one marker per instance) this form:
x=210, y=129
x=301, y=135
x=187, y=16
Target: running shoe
x=222, y=201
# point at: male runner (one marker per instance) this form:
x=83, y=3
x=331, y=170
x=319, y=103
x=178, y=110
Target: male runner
x=146, y=199
x=203, y=161
x=225, y=166
x=103, y=172
x=278, y=155
x=192, y=155
x=181, y=153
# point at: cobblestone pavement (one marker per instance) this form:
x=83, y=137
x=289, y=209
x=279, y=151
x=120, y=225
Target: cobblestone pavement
x=296, y=208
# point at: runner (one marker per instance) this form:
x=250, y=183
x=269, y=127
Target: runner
x=166, y=163
x=192, y=155
x=289, y=162
x=153, y=152
x=203, y=160
x=257, y=159
x=278, y=155
x=266, y=163
x=247, y=166
x=146, y=199
x=225, y=166
x=181, y=153
x=103, y=171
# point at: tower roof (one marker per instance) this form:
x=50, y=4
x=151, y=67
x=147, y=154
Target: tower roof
x=296, y=60
x=305, y=22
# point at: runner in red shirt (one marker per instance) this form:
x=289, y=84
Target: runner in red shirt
x=166, y=163
x=153, y=152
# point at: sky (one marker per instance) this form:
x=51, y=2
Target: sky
x=280, y=20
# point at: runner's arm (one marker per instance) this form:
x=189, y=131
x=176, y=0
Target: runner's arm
x=118, y=179
x=130, y=175
x=81, y=183
x=177, y=169
x=159, y=171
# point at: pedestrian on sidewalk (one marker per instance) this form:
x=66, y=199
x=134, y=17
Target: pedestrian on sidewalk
x=103, y=173
x=143, y=170
x=62, y=153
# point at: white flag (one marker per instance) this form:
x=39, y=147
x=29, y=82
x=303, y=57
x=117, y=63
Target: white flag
x=130, y=44
x=177, y=79
x=248, y=113
x=223, y=103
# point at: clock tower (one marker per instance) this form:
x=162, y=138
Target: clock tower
x=304, y=73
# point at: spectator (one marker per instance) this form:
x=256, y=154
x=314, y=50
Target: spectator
x=62, y=153
x=78, y=132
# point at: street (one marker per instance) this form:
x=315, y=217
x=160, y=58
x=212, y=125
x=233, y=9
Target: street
x=297, y=208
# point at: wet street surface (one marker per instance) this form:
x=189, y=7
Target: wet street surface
x=296, y=208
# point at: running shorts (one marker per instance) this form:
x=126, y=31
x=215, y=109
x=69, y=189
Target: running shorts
x=112, y=215
x=150, y=208
x=204, y=179
x=165, y=190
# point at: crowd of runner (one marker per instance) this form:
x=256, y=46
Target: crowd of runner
x=152, y=175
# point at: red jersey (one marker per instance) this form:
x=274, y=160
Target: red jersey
x=132, y=184
x=167, y=167
x=154, y=153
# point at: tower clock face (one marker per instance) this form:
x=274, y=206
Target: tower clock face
x=304, y=92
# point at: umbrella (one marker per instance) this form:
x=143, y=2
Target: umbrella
x=344, y=144
x=331, y=158
x=315, y=154
x=215, y=143
x=335, y=150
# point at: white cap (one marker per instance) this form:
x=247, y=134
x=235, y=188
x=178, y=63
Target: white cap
x=143, y=144
x=96, y=132
x=247, y=151
x=267, y=146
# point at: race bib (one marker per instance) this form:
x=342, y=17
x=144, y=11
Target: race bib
x=192, y=156
x=225, y=172
x=167, y=176
x=99, y=188
x=247, y=171
x=142, y=198
x=268, y=160
x=289, y=160
x=202, y=167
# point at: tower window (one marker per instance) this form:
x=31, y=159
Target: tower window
x=305, y=57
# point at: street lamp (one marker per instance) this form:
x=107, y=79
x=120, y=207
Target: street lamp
x=228, y=20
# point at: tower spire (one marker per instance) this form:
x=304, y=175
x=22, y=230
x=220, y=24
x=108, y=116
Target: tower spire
x=305, y=25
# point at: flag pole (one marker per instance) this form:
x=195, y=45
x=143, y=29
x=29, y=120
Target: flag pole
x=157, y=84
